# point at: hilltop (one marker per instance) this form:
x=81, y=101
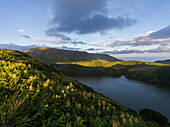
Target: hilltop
x=35, y=94
x=53, y=55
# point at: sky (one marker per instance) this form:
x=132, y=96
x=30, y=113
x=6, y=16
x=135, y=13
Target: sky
x=126, y=29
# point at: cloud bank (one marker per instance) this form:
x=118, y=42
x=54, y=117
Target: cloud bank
x=156, y=50
x=160, y=37
x=84, y=17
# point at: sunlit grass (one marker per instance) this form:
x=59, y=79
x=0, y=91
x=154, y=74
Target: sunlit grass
x=103, y=63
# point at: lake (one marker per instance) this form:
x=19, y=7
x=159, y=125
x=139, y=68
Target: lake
x=130, y=93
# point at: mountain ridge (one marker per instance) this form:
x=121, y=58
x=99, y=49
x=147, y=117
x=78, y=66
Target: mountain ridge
x=52, y=55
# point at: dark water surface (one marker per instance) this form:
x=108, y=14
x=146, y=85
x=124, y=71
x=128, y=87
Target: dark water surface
x=133, y=94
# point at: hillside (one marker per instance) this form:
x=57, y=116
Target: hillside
x=52, y=55
x=35, y=94
x=163, y=61
x=156, y=75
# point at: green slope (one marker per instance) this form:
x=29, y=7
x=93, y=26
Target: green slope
x=156, y=75
x=34, y=94
x=52, y=55
x=163, y=61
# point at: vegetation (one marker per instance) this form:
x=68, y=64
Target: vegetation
x=154, y=116
x=34, y=94
x=157, y=75
x=80, y=71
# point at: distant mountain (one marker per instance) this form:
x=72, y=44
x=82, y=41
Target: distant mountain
x=52, y=55
x=163, y=61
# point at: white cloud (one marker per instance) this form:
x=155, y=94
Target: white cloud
x=42, y=40
x=21, y=31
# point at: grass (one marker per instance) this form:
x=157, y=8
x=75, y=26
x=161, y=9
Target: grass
x=103, y=63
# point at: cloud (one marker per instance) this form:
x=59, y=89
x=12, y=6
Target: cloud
x=53, y=33
x=160, y=37
x=64, y=38
x=78, y=43
x=123, y=52
x=42, y=40
x=17, y=47
x=68, y=48
x=156, y=50
x=161, y=34
x=21, y=31
x=84, y=17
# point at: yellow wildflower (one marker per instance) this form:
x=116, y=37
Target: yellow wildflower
x=88, y=109
x=104, y=108
x=38, y=89
x=51, y=87
x=4, y=74
x=68, y=87
x=92, y=108
x=136, y=121
x=29, y=65
x=71, y=84
x=25, y=71
x=14, y=76
x=124, y=121
x=48, y=80
x=107, y=108
x=45, y=84
x=130, y=121
x=79, y=105
x=68, y=103
x=62, y=91
x=65, y=95
x=122, y=115
x=88, y=95
x=99, y=104
x=104, y=103
x=98, y=112
x=115, y=124
x=31, y=88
